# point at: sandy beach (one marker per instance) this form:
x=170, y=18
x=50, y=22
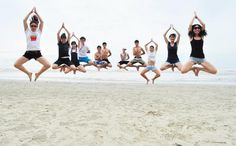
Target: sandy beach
x=80, y=114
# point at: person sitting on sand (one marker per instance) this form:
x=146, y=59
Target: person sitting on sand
x=99, y=63
x=172, y=47
x=74, y=55
x=137, y=52
x=83, y=53
x=33, y=36
x=151, y=52
x=197, y=32
x=63, y=46
x=105, y=54
x=124, y=56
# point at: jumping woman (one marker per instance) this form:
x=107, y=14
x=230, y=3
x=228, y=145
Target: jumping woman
x=33, y=35
x=172, y=47
x=63, y=45
x=196, y=34
x=151, y=66
x=74, y=55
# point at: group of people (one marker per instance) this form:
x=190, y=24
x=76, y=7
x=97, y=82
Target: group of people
x=73, y=53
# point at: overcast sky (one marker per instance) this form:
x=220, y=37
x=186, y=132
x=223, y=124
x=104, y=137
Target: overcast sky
x=119, y=23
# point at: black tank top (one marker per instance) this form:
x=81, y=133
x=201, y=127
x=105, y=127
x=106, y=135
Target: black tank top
x=74, y=57
x=63, y=49
x=197, y=48
x=172, y=52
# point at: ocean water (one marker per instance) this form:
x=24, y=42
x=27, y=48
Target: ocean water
x=224, y=77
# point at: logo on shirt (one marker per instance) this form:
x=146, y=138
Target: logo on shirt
x=33, y=37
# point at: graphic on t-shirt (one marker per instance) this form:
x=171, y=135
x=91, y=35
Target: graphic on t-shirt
x=33, y=37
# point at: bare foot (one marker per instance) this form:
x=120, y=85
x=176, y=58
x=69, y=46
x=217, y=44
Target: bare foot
x=153, y=81
x=173, y=68
x=36, y=77
x=196, y=72
x=61, y=69
x=30, y=76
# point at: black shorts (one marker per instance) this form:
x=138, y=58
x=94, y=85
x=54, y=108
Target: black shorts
x=32, y=55
x=108, y=62
x=123, y=62
x=173, y=61
x=65, y=61
x=75, y=62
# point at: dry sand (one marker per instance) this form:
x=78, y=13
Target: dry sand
x=75, y=114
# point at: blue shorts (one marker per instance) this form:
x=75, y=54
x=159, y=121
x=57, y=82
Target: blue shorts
x=197, y=60
x=84, y=59
x=150, y=67
x=99, y=62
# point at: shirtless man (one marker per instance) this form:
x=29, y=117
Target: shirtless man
x=105, y=54
x=124, y=56
x=137, y=52
x=99, y=63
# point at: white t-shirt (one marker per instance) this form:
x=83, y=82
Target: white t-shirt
x=83, y=51
x=151, y=56
x=33, y=40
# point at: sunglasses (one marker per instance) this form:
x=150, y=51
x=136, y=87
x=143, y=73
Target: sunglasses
x=33, y=26
x=196, y=27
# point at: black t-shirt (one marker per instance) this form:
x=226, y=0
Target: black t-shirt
x=63, y=49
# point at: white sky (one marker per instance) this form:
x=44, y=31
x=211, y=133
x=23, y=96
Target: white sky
x=119, y=23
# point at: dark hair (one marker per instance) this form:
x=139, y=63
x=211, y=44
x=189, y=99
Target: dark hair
x=83, y=38
x=104, y=43
x=172, y=35
x=63, y=36
x=73, y=43
x=191, y=34
x=34, y=19
x=151, y=46
x=136, y=41
x=99, y=47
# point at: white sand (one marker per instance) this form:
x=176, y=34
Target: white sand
x=75, y=114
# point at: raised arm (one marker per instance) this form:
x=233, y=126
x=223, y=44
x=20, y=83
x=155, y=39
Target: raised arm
x=68, y=33
x=191, y=23
x=146, y=46
x=58, y=34
x=178, y=37
x=26, y=18
x=40, y=19
x=200, y=21
x=156, y=45
x=166, y=40
x=73, y=35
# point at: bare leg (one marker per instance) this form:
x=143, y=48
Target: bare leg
x=46, y=65
x=55, y=66
x=109, y=65
x=144, y=76
x=178, y=66
x=165, y=66
x=187, y=67
x=208, y=67
x=19, y=65
x=72, y=67
x=158, y=74
x=144, y=65
x=81, y=69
